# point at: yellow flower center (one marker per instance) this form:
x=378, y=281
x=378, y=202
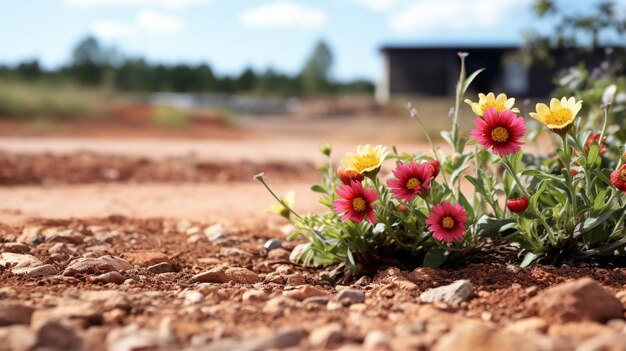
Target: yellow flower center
x=559, y=116
x=499, y=134
x=363, y=162
x=413, y=183
x=447, y=222
x=358, y=204
x=491, y=104
x=622, y=174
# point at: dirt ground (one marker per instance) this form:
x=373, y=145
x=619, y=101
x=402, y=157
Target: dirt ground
x=159, y=242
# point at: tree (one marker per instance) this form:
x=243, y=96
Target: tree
x=247, y=80
x=90, y=61
x=316, y=74
x=570, y=29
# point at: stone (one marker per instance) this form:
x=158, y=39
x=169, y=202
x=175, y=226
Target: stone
x=350, y=296
x=17, y=338
x=254, y=295
x=316, y=301
x=18, y=248
x=160, y=268
x=31, y=236
x=272, y=244
x=305, y=292
x=62, y=248
x=102, y=264
x=216, y=232
x=452, y=294
x=145, y=258
x=325, y=336
x=104, y=299
x=55, y=335
x=234, y=274
x=18, y=260
x=82, y=314
x=131, y=338
x=35, y=272
x=243, y=275
x=192, y=297
x=114, y=277
x=285, y=338
x=423, y=274
x=376, y=340
x=580, y=300
x=215, y=275
x=578, y=330
x=470, y=336
x=279, y=254
x=527, y=325
x=197, y=238
x=12, y=312
x=66, y=238
x=604, y=342
x=297, y=252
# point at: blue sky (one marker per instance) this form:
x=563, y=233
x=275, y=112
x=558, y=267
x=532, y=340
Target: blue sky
x=233, y=34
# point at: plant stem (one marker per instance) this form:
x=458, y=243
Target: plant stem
x=568, y=178
x=280, y=201
x=510, y=169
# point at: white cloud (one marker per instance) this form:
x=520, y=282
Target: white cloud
x=283, y=14
x=380, y=5
x=154, y=22
x=107, y=29
x=431, y=16
x=145, y=22
x=168, y=4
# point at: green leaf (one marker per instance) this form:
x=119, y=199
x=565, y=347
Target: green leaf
x=470, y=79
x=540, y=174
x=447, y=136
x=593, y=157
x=351, y=262
x=319, y=189
x=598, y=203
x=535, y=197
x=489, y=226
x=592, y=222
x=530, y=258
x=435, y=257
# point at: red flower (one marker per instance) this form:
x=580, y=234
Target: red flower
x=447, y=222
x=435, y=166
x=355, y=202
x=346, y=176
x=618, y=178
x=596, y=137
x=500, y=131
x=517, y=205
x=411, y=179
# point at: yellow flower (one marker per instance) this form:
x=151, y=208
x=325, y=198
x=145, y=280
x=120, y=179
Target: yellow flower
x=367, y=159
x=490, y=100
x=279, y=209
x=560, y=116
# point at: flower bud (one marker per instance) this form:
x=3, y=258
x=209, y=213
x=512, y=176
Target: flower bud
x=326, y=148
x=517, y=205
x=435, y=166
x=348, y=175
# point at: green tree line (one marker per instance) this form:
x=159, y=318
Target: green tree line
x=95, y=65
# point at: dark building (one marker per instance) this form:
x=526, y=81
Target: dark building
x=433, y=71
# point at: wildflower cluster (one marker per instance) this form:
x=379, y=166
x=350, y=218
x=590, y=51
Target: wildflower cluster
x=566, y=202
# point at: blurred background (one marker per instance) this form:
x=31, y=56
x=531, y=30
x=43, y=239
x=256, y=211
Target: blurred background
x=95, y=91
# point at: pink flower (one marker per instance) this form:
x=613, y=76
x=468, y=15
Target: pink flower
x=447, y=222
x=355, y=202
x=500, y=131
x=411, y=179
